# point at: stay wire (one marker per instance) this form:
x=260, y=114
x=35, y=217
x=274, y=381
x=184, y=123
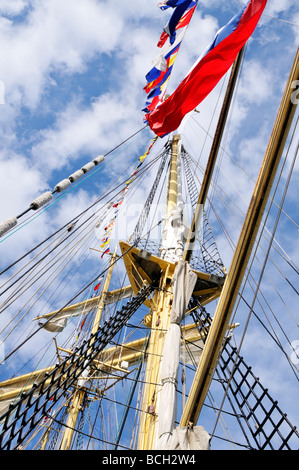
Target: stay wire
x=66, y=256
x=70, y=301
x=265, y=260
x=76, y=218
x=50, y=204
x=69, y=223
x=284, y=255
x=78, y=229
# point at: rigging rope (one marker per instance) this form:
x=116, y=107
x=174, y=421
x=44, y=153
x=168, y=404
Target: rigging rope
x=7, y=225
x=274, y=229
x=232, y=244
x=240, y=380
x=24, y=286
x=69, y=302
x=64, y=375
x=235, y=161
x=262, y=270
x=70, y=225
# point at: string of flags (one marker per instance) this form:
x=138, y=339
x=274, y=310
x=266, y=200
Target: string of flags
x=169, y=42
x=106, y=238
x=164, y=116
x=181, y=11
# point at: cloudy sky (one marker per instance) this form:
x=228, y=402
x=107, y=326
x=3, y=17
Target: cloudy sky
x=72, y=77
x=72, y=74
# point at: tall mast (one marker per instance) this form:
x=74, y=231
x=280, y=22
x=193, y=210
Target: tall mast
x=77, y=400
x=163, y=300
x=172, y=236
x=160, y=318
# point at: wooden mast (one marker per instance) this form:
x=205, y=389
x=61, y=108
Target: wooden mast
x=242, y=253
x=160, y=320
x=147, y=432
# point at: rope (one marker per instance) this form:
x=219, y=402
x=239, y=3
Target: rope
x=263, y=266
x=94, y=279
x=62, y=377
x=45, y=198
x=292, y=264
x=74, y=221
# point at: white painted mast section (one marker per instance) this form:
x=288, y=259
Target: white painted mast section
x=183, y=283
x=172, y=247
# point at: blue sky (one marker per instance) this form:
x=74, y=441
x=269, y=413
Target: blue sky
x=73, y=73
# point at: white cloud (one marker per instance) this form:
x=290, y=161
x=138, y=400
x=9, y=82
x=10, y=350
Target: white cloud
x=51, y=39
x=86, y=129
x=257, y=83
x=13, y=7
x=276, y=7
x=83, y=130
x=20, y=183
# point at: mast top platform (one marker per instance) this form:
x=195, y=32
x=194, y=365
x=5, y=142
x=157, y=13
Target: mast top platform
x=144, y=268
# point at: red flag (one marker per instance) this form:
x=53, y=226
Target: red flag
x=207, y=71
